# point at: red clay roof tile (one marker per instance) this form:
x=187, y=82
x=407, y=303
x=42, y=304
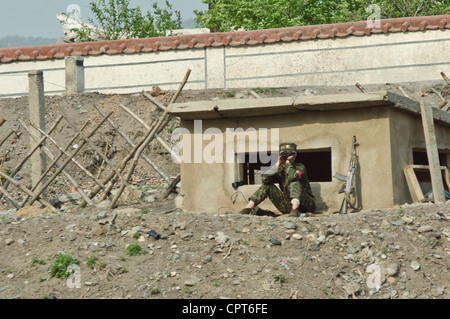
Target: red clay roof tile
x=240, y=38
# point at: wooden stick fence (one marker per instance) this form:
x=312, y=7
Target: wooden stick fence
x=59, y=162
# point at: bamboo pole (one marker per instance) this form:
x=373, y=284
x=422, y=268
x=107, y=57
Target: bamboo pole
x=9, y=197
x=6, y=137
x=54, y=162
x=170, y=188
x=150, y=137
x=360, y=87
x=254, y=94
x=28, y=192
x=62, y=166
x=56, y=159
x=123, y=165
x=443, y=101
x=121, y=168
x=154, y=101
x=63, y=151
x=132, y=144
x=31, y=152
x=403, y=92
x=99, y=152
x=445, y=78
x=51, y=156
x=159, y=139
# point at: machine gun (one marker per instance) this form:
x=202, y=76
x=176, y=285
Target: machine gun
x=349, y=182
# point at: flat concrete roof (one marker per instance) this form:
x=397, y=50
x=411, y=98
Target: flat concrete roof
x=239, y=108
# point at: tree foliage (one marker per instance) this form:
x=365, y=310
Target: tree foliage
x=228, y=15
x=115, y=19
x=412, y=8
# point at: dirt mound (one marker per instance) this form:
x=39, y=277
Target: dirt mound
x=402, y=253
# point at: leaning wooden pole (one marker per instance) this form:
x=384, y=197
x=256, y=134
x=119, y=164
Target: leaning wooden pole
x=147, y=127
x=60, y=169
x=159, y=125
x=51, y=156
x=99, y=152
x=27, y=191
x=121, y=168
x=432, y=153
x=30, y=153
x=132, y=144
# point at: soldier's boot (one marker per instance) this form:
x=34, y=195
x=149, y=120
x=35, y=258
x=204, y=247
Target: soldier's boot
x=294, y=213
x=245, y=211
x=264, y=212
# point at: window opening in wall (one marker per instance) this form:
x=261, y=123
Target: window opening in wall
x=316, y=161
x=420, y=157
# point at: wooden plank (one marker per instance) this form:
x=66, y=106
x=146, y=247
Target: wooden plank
x=413, y=184
x=447, y=178
x=432, y=153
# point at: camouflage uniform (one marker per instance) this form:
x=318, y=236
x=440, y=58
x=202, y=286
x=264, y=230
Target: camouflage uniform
x=293, y=184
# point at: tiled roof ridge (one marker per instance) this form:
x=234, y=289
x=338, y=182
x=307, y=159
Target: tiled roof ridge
x=239, y=38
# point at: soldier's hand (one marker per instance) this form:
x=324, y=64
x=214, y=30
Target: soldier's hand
x=290, y=159
x=281, y=159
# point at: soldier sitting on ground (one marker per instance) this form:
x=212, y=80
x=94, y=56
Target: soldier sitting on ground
x=294, y=195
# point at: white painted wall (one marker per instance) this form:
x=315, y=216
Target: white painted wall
x=374, y=59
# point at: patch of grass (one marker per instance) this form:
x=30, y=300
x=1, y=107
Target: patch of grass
x=231, y=93
x=134, y=250
x=101, y=265
x=136, y=235
x=155, y=291
x=39, y=261
x=92, y=261
x=280, y=278
x=59, y=267
x=146, y=188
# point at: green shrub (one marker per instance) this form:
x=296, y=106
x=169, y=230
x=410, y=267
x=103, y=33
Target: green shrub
x=59, y=267
x=134, y=250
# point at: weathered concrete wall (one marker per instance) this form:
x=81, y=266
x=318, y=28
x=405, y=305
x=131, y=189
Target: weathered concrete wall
x=373, y=59
x=387, y=58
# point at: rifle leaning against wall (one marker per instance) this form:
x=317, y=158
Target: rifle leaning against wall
x=349, y=187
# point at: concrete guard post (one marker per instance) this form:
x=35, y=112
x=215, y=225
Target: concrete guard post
x=74, y=75
x=36, y=103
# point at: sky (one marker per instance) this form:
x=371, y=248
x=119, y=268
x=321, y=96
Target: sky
x=37, y=18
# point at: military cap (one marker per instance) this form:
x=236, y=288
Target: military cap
x=288, y=147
